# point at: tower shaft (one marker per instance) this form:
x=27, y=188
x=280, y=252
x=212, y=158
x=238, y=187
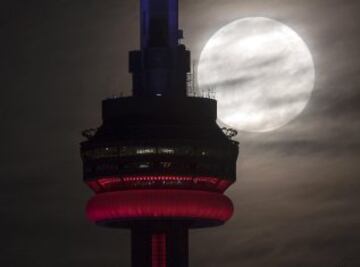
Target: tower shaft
x=160, y=245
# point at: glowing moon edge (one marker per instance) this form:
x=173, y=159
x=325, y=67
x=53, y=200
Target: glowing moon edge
x=262, y=72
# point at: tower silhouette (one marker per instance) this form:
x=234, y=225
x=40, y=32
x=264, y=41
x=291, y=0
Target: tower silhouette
x=159, y=163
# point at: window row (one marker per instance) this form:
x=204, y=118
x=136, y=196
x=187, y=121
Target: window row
x=127, y=151
x=162, y=166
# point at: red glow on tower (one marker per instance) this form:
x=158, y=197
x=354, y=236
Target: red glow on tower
x=109, y=184
x=158, y=254
x=160, y=204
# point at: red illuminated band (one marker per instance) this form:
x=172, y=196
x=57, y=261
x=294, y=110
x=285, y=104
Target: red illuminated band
x=157, y=204
x=118, y=183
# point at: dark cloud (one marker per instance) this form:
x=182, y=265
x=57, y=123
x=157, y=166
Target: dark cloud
x=341, y=104
x=324, y=148
x=249, y=73
x=230, y=84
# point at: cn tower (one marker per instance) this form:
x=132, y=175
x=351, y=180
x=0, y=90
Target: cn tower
x=159, y=164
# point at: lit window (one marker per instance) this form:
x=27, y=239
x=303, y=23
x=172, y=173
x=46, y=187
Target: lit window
x=166, y=151
x=145, y=165
x=145, y=151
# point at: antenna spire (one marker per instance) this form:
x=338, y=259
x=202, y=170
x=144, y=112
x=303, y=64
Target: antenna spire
x=160, y=68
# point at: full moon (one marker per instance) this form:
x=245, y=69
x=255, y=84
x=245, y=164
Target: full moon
x=260, y=71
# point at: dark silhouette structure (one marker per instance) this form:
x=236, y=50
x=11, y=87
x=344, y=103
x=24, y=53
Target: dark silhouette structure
x=159, y=163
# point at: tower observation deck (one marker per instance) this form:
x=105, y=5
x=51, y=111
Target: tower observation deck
x=159, y=163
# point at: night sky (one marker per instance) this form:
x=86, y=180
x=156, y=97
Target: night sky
x=298, y=191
